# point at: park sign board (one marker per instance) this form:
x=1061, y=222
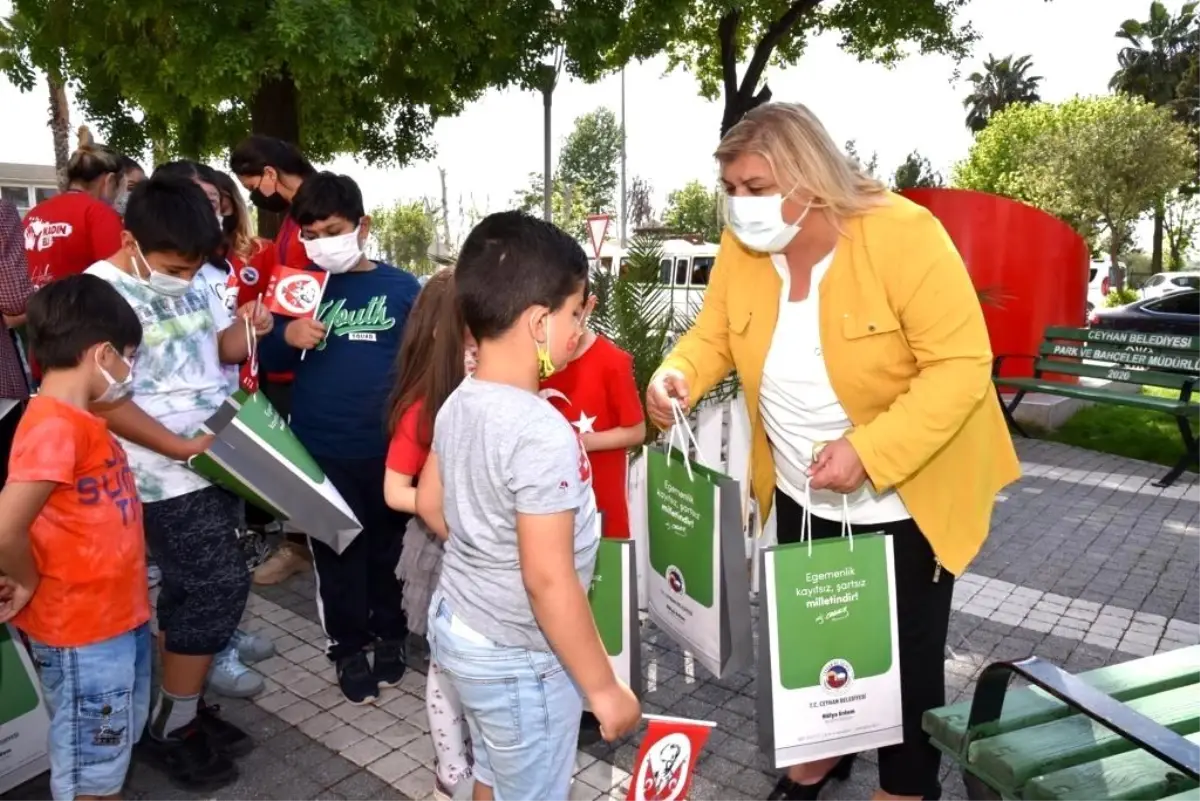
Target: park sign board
x=1143, y=339
x=1170, y=360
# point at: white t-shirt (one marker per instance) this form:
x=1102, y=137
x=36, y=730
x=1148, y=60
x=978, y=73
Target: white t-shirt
x=223, y=301
x=177, y=374
x=799, y=408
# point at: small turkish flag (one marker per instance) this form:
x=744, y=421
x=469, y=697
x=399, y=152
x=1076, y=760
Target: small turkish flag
x=667, y=758
x=296, y=293
x=248, y=372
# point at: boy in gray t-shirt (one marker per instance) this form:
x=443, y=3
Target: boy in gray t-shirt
x=509, y=484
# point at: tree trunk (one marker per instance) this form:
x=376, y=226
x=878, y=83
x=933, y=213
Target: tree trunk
x=1156, y=249
x=60, y=129
x=445, y=249
x=274, y=111
x=1116, y=279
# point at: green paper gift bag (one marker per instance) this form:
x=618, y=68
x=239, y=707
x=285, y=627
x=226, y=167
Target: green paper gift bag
x=258, y=457
x=697, y=588
x=829, y=659
x=24, y=724
x=613, y=597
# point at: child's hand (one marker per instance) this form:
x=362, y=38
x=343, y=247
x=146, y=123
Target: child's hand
x=304, y=333
x=187, y=448
x=617, y=709
x=262, y=320
x=13, y=598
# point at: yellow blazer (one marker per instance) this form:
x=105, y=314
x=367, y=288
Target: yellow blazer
x=907, y=352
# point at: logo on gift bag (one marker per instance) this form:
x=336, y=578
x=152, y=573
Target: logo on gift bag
x=837, y=675
x=662, y=773
x=675, y=580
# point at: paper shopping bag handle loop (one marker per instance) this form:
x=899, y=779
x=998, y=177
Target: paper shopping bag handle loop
x=682, y=430
x=806, y=519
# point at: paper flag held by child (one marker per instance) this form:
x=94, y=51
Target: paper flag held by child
x=296, y=293
x=667, y=758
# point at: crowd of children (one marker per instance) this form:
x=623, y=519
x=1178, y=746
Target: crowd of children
x=477, y=429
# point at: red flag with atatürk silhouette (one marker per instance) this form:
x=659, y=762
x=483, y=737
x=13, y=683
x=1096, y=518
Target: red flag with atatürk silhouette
x=667, y=758
x=296, y=293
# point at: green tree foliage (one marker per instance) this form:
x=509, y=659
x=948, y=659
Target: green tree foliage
x=362, y=76
x=1181, y=221
x=1098, y=160
x=588, y=159
x=870, y=166
x=405, y=233
x=568, y=207
x=694, y=209
x=916, y=173
x=1003, y=82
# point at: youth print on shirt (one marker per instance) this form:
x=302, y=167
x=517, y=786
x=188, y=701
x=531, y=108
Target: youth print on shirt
x=356, y=325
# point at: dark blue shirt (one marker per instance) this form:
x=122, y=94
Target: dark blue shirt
x=342, y=386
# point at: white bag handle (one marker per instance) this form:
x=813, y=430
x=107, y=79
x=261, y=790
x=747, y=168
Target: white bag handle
x=806, y=519
x=684, y=432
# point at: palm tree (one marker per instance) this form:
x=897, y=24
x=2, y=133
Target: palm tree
x=1154, y=64
x=1002, y=83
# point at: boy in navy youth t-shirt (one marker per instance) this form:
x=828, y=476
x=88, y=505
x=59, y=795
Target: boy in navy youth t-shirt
x=338, y=401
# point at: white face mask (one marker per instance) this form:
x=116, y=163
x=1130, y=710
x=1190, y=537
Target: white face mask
x=170, y=285
x=758, y=222
x=116, y=390
x=335, y=254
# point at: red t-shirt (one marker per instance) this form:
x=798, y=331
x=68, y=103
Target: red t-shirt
x=88, y=542
x=597, y=392
x=66, y=234
x=406, y=455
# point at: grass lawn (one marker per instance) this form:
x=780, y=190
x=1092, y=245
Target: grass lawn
x=1119, y=430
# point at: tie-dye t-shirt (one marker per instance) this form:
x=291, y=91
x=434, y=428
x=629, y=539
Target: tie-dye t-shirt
x=177, y=375
x=87, y=542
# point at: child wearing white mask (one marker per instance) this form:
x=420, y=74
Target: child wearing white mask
x=339, y=397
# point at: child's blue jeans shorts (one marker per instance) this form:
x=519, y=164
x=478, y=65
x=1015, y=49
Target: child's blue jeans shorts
x=98, y=697
x=522, y=708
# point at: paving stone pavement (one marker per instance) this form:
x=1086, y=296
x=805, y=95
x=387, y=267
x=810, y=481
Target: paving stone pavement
x=1088, y=564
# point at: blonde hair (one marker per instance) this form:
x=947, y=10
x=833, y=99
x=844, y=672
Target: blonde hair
x=90, y=160
x=803, y=157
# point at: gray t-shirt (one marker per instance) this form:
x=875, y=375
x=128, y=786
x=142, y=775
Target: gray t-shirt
x=501, y=452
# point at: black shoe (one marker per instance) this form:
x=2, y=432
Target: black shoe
x=390, y=662
x=788, y=790
x=189, y=759
x=355, y=679
x=224, y=736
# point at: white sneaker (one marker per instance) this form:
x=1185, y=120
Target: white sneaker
x=229, y=677
x=251, y=648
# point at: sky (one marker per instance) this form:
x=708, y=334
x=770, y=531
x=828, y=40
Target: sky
x=490, y=149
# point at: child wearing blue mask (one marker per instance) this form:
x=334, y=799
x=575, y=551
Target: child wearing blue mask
x=191, y=525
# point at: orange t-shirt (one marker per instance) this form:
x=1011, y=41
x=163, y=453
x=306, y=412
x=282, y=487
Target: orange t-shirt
x=88, y=542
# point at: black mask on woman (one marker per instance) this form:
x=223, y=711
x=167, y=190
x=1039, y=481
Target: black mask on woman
x=229, y=224
x=273, y=203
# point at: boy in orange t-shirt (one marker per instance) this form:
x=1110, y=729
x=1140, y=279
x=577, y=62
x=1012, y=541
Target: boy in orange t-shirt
x=72, y=548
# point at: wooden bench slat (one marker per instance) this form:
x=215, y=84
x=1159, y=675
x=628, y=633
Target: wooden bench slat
x=1126, y=375
x=1110, y=337
x=1030, y=707
x=1100, y=395
x=1174, y=360
x=1009, y=760
x=1130, y=776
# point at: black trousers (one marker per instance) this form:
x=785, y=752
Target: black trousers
x=358, y=595
x=8, y=427
x=923, y=616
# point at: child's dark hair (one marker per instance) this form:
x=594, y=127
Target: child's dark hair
x=430, y=362
x=129, y=166
x=255, y=153
x=91, y=160
x=70, y=315
x=171, y=214
x=512, y=261
x=324, y=195
x=191, y=170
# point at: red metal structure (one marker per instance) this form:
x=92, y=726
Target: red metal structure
x=1029, y=267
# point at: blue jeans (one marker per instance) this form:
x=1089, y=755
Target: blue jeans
x=522, y=708
x=98, y=697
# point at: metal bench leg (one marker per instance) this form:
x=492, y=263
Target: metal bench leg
x=1009, y=409
x=1191, y=454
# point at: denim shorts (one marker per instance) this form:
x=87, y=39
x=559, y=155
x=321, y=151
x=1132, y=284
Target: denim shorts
x=98, y=697
x=522, y=708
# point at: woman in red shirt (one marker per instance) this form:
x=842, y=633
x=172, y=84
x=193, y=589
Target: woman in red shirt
x=68, y=233
x=431, y=364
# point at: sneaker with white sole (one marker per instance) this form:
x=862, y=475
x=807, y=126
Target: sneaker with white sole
x=230, y=678
x=252, y=648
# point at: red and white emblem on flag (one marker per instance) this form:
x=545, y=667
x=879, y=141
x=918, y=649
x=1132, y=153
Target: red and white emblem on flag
x=667, y=758
x=295, y=293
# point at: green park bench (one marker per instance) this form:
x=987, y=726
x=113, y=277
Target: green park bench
x=1127, y=731
x=1165, y=361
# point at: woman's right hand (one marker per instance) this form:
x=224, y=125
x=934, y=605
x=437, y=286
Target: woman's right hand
x=666, y=386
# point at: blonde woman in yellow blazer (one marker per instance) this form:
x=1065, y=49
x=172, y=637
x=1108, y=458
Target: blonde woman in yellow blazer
x=861, y=347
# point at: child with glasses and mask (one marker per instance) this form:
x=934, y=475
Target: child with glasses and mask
x=191, y=525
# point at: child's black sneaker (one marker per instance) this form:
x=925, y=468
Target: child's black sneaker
x=189, y=759
x=390, y=662
x=358, y=684
x=224, y=736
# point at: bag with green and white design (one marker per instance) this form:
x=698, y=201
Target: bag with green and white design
x=24, y=723
x=613, y=597
x=829, y=658
x=698, y=587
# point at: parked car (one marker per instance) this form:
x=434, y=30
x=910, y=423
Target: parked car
x=1175, y=313
x=1166, y=283
x=1098, y=285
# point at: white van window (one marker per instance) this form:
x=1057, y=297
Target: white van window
x=701, y=267
x=664, y=271
x=681, y=272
